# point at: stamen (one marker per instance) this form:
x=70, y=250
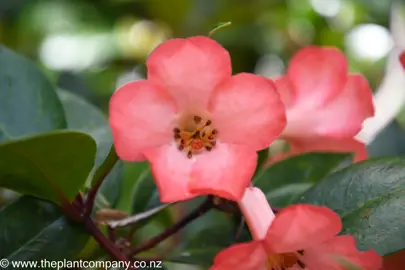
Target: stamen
x=209, y=148
x=210, y=137
x=214, y=131
x=301, y=252
x=301, y=264
x=197, y=119
x=189, y=154
x=176, y=130
x=181, y=147
x=177, y=136
x=208, y=123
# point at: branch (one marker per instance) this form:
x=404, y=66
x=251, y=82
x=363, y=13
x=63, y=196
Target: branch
x=199, y=211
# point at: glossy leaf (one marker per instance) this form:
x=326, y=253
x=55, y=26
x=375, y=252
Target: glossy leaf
x=85, y=117
x=47, y=166
x=28, y=102
x=145, y=195
x=369, y=196
x=32, y=229
x=284, y=181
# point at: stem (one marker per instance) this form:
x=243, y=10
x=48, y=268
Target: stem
x=104, y=242
x=199, y=211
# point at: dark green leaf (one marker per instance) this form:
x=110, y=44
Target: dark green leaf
x=28, y=102
x=47, y=165
x=85, y=117
x=284, y=181
x=369, y=196
x=204, y=238
x=145, y=195
x=32, y=229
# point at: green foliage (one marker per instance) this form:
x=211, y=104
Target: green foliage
x=284, y=181
x=28, y=102
x=33, y=229
x=369, y=196
x=51, y=166
x=84, y=117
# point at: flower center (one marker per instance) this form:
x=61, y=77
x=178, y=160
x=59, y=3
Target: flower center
x=197, y=135
x=284, y=261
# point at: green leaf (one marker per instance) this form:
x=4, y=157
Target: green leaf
x=47, y=166
x=204, y=238
x=87, y=118
x=285, y=181
x=32, y=229
x=369, y=196
x=262, y=157
x=145, y=195
x=28, y=102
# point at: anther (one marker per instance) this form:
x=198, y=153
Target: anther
x=301, y=264
x=208, y=123
x=214, y=131
x=176, y=130
x=213, y=143
x=301, y=252
x=210, y=137
x=177, y=136
x=209, y=148
x=197, y=119
x=181, y=147
x=189, y=154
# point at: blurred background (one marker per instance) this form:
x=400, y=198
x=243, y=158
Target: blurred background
x=90, y=47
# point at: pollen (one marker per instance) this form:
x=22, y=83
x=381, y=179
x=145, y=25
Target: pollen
x=197, y=137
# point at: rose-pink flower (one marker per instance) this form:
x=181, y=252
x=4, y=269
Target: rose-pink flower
x=326, y=105
x=197, y=125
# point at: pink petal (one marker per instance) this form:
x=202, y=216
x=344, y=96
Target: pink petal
x=286, y=91
x=317, y=75
x=140, y=116
x=342, y=117
x=300, y=226
x=171, y=170
x=189, y=69
x=246, y=256
x=349, y=145
x=226, y=171
x=257, y=212
x=247, y=110
x=344, y=247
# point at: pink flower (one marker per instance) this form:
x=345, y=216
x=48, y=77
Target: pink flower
x=326, y=106
x=299, y=237
x=197, y=125
x=402, y=59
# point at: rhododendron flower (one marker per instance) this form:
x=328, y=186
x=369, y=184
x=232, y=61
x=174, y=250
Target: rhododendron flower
x=326, y=106
x=299, y=237
x=197, y=125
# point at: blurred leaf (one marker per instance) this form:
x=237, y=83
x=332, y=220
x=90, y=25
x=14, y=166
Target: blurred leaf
x=369, y=196
x=85, y=117
x=32, y=229
x=204, y=238
x=47, y=166
x=263, y=155
x=28, y=102
x=284, y=181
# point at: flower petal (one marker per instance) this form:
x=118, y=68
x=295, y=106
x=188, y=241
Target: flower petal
x=344, y=248
x=246, y=256
x=257, y=212
x=286, y=91
x=140, y=116
x=189, y=69
x=247, y=110
x=402, y=59
x=317, y=75
x=300, y=226
x=349, y=145
x=226, y=171
x=342, y=117
x=171, y=170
